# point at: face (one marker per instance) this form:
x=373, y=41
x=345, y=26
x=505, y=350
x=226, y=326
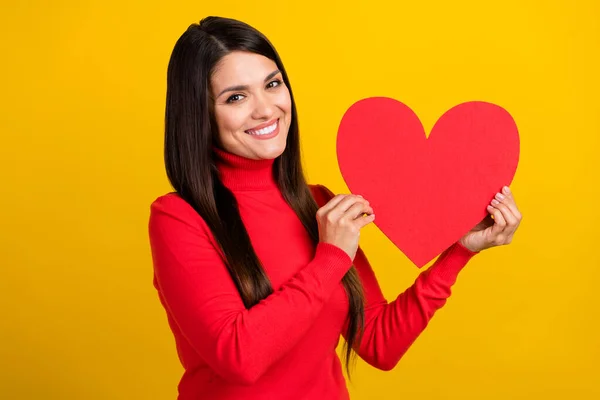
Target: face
x=252, y=105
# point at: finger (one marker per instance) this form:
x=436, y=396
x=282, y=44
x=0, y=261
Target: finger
x=499, y=221
x=508, y=202
x=509, y=218
x=343, y=206
x=368, y=211
x=361, y=222
x=507, y=198
x=508, y=193
x=357, y=210
x=332, y=203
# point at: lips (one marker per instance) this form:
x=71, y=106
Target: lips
x=262, y=126
x=266, y=133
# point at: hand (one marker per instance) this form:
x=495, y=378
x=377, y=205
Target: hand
x=499, y=230
x=341, y=219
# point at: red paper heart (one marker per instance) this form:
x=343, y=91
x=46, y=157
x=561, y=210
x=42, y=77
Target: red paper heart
x=427, y=192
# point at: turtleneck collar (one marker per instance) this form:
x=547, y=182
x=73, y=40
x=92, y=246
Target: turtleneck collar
x=241, y=173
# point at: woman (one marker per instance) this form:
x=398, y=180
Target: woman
x=260, y=273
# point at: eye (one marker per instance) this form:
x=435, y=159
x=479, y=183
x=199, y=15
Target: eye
x=234, y=98
x=276, y=81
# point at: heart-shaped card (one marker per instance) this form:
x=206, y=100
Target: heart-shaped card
x=427, y=192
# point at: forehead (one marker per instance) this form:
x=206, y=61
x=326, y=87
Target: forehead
x=241, y=68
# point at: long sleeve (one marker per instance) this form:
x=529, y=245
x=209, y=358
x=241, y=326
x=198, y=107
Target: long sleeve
x=239, y=344
x=390, y=329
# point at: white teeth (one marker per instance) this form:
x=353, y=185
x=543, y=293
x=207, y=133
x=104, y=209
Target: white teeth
x=264, y=131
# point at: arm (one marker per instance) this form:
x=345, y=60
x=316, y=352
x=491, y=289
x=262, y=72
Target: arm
x=238, y=343
x=390, y=329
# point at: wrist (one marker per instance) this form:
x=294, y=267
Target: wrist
x=467, y=246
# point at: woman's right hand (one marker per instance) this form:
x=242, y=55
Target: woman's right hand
x=341, y=219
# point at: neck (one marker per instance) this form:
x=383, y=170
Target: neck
x=241, y=173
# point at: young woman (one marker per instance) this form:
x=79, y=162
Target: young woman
x=259, y=272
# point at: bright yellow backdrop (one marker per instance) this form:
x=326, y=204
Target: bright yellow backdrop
x=83, y=90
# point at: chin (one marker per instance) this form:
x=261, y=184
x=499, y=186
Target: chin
x=267, y=149
x=270, y=152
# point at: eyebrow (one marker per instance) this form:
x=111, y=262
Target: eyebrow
x=245, y=87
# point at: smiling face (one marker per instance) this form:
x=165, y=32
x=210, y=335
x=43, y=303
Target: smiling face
x=252, y=105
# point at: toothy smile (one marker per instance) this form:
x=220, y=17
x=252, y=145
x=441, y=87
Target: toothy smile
x=264, y=131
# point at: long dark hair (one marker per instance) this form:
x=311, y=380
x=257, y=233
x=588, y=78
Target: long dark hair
x=190, y=133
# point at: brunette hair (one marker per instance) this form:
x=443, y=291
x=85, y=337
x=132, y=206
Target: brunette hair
x=190, y=134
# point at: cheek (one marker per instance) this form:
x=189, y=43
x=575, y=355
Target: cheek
x=284, y=101
x=230, y=120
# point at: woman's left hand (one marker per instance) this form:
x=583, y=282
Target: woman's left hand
x=499, y=230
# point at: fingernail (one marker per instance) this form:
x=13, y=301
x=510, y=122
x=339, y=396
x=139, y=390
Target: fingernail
x=495, y=202
x=359, y=195
x=500, y=196
x=506, y=189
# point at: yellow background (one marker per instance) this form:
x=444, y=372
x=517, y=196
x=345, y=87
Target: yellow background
x=83, y=91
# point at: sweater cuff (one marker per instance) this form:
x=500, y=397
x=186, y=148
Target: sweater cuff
x=333, y=261
x=459, y=244
x=451, y=262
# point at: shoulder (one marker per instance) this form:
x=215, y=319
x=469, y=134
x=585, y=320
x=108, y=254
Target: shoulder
x=321, y=194
x=171, y=210
x=170, y=202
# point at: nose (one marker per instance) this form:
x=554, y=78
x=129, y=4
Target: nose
x=263, y=107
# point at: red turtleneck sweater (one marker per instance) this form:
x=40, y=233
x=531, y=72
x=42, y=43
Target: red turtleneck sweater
x=285, y=346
